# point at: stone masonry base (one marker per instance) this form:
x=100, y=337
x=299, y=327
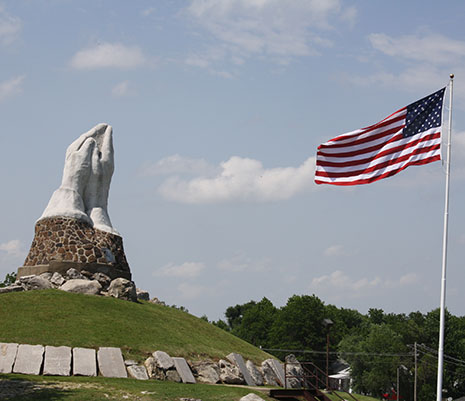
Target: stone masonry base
x=62, y=242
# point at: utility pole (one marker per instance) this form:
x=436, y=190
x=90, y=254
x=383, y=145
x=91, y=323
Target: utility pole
x=415, y=381
x=327, y=323
x=398, y=391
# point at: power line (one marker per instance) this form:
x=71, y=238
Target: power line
x=452, y=359
x=461, y=364
x=337, y=352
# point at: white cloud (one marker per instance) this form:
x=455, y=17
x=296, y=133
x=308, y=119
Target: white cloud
x=458, y=143
x=121, y=89
x=242, y=179
x=11, y=87
x=12, y=255
x=210, y=58
x=177, y=164
x=338, y=281
x=192, y=291
x=274, y=28
x=108, y=55
x=432, y=48
x=187, y=269
x=12, y=248
x=408, y=279
x=148, y=11
x=10, y=27
x=411, y=78
x=197, y=60
x=334, y=250
x=241, y=262
x=458, y=154
x=424, y=61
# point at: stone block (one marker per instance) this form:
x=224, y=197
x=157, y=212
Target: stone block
x=111, y=363
x=57, y=361
x=122, y=289
x=73, y=274
x=237, y=360
x=7, y=356
x=138, y=372
x=206, y=372
x=269, y=376
x=278, y=370
x=29, y=359
x=84, y=362
x=142, y=295
x=163, y=360
x=173, y=376
x=82, y=286
x=229, y=373
x=184, y=371
x=251, y=397
x=11, y=288
x=35, y=283
x=57, y=279
x=47, y=276
x=255, y=373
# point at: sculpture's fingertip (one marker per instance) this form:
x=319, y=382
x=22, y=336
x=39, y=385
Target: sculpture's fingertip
x=109, y=129
x=101, y=126
x=88, y=145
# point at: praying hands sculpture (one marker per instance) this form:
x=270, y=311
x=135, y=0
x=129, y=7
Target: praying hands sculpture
x=87, y=173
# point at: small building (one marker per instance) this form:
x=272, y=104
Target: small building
x=341, y=380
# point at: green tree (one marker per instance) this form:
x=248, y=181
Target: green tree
x=222, y=325
x=256, y=322
x=9, y=279
x=346, y=321
x=234, y=314
x=376, y=316
x=373, y=373
x=298, y=325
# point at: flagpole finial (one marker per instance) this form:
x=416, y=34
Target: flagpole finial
x=451, y=76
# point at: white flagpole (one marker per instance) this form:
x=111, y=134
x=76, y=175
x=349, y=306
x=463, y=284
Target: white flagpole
x=444, y=254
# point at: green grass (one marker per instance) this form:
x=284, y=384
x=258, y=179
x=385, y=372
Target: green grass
x=359, y=397
x=100, y=388
x=53, y=317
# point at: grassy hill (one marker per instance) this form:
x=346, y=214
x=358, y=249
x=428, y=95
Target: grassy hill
x=53, y=317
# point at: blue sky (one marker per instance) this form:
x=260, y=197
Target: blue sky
x=217, y=109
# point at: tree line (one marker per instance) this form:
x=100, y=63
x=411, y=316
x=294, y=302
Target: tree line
x=375, y=345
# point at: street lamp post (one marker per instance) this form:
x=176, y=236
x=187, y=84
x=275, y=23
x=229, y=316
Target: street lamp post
x=327, y=323
x=398, y=379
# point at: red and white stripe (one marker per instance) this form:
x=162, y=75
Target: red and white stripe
x=372, y=153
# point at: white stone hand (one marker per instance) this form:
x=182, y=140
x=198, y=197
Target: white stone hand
x=98, y=186
x=68, y=199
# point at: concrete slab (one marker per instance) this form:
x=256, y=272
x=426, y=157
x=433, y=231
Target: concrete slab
x=29, y=359
x=163, y=360
x=183, y=370
x=138, y=372
x=57, y=361
x=237, y=360
x=84, y=362
x=111, y=363
x=7, y=356
x=278, y=370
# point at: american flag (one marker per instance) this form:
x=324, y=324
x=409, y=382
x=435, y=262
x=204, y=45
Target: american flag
x=409, y=137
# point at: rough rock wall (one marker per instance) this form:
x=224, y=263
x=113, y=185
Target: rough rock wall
x=77, y=243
